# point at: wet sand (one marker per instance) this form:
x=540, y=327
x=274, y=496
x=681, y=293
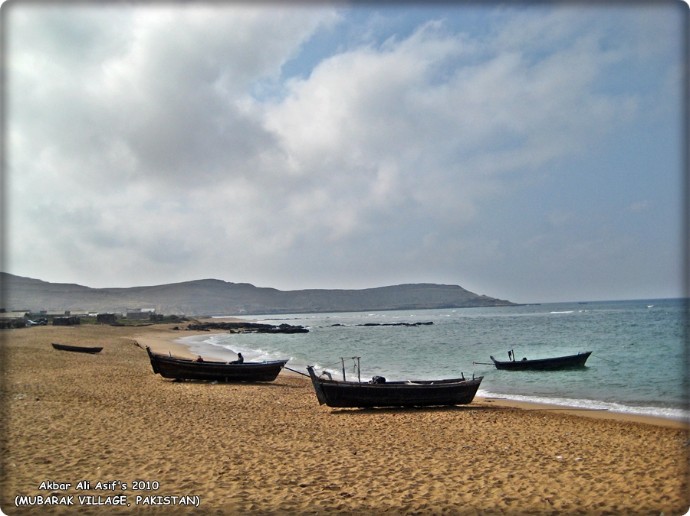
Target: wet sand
x=271, y=449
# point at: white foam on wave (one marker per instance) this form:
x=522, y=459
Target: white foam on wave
x=662, y=412
x=218, y=346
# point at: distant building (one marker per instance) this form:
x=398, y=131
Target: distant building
x=106, y=318
x=10, y=320
x=140, y=314
x=55, y=313
x=13, y=315
x=66, y=321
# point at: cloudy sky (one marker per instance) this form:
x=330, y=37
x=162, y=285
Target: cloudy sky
x=532, y=153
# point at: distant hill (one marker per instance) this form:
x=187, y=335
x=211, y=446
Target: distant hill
x=216, y=297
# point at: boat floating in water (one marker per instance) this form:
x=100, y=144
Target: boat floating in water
x=542, y=364
x=381, y=393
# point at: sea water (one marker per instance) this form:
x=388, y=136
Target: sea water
x=638, y=363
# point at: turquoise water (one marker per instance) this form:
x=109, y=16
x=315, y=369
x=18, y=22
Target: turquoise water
x=638, y=364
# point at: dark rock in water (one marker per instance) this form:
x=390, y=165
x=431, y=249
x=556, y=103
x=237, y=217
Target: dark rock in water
x=287, y=328
x=398, y=324
x=247, y=327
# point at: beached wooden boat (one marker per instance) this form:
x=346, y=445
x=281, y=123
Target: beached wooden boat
x=188, y=369
x=543, y=364
x=380, y=393
x=78, y=349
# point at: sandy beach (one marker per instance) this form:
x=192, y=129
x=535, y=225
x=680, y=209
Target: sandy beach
x=163, y=447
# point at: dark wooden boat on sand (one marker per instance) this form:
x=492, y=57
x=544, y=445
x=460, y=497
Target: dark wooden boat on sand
x=77, y=349
x=542, y=364
x=380, y=393
x=209, y=370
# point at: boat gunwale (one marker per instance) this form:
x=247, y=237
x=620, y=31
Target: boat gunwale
x=407, y=384
x=213, y=363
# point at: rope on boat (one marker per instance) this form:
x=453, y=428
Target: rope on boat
x=481, y=363
x=296, y=371
x=606, y=360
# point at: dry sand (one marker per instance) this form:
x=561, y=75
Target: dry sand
x=271, y=449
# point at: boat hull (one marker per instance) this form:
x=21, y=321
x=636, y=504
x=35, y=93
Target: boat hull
x=187, y=369
x=544, y=364
x=77, y=349
x=335, y=393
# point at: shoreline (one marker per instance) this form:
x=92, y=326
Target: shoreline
x=270, y=448
x=164, y=342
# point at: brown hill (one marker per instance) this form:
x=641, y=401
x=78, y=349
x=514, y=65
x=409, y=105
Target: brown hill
x=216, y=297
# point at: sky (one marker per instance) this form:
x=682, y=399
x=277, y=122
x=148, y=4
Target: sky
x=530, y=152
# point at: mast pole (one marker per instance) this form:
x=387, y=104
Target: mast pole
x=342, y=360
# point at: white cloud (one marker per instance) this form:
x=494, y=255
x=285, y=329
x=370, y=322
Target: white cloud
x=383, y=116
